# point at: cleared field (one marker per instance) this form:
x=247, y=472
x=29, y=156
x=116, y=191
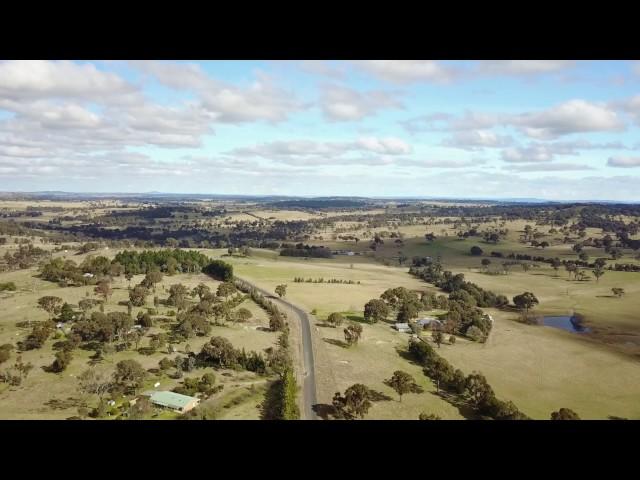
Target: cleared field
x=325, y=297
x=374, y=360
x=543, y=369
x=285, y=215
x=539, y=368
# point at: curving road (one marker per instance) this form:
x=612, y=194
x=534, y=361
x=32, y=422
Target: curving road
x=309, y=382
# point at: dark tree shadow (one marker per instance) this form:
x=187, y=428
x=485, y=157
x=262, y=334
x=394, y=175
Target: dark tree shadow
x=463, y=407
x=356, y=318
x=336, y=342
x=324, y=325
x=605, y=296
x=271, y=403
x=406, y=355
x=96, y=358
x=70, y=402
x=263, y=329
x=58, y=345
x=146, y=351
x=323, y=410
x=93, y=345
x=613, y=417
x=376, y=396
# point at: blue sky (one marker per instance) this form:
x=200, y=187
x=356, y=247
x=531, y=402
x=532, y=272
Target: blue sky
x=548, y=129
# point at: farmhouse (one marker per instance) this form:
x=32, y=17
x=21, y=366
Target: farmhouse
x=173, y=401
x=427, y=322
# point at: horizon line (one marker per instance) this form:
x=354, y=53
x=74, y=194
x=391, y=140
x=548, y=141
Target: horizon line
x=381, y=197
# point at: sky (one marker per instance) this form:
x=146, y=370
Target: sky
x=551, y=129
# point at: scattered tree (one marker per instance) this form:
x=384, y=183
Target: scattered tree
x=355, y=402
x=375, y=310
x=525, y=301
x=281, y=290
x=335, y=319
x=428, y=416
x=353, y=333
x=403, y=383
x=50, y=304
x=564, y=414
x=618, y=292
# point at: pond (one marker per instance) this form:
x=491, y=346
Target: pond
x=565, y=322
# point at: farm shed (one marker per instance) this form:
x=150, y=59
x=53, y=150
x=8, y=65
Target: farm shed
x=174, y=401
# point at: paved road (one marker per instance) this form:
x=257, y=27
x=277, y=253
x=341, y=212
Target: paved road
x=309, y=382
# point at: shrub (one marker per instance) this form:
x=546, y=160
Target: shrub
x=474, y=333
x=8, y=286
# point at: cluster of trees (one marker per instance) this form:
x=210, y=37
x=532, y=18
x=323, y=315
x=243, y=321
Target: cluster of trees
x=24, y=257
x=64, y=272
x=302, y=250
x=127, y=377
x=473, y=388
x=277, y=319
x=625, y=267
x=169, y=261
x=322, y=280
x=106, y=328
x=40, y=332
x=199, y=386
x=17, y=373
x=220, y=353
x=219, y=270
x=464, y=298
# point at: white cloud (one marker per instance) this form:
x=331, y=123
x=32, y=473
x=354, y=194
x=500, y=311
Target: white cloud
x=32, y=79
x=313, y=152
x=474, y=139
x=531, y=153
x=226, y=103
x=624, y=162
x=456, y=163
x=548, y=167
x=388, y=145
x=323, y=68
x=408, y=71
x=341, y=103
x=573, y=116
x=522, y=67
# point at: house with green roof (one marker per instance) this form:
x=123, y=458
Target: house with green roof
x=174, y=401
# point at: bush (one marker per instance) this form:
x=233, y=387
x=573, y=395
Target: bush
x=219, y=270
x=62, y=361
x=8, y=286
x=474, y=333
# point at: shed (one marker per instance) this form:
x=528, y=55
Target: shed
x=174, y=401
x=402, y=327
